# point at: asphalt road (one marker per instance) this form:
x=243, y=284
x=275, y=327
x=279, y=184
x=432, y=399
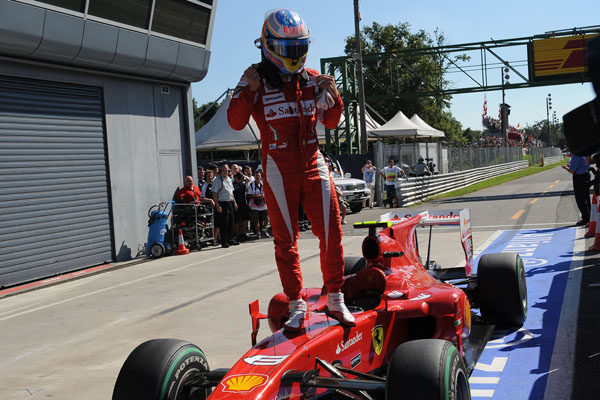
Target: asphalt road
x=68, y=341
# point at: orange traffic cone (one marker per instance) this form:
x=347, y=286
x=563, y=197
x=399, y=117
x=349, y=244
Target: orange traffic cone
x=593, y=218
x=596, y=245
x=181, y=249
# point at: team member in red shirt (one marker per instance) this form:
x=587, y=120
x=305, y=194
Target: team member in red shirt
x=286, y=99
x=190, y=193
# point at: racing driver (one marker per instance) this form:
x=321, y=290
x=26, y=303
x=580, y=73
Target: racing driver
x=286, y=99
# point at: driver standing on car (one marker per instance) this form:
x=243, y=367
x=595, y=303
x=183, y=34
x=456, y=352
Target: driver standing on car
x=286, y=99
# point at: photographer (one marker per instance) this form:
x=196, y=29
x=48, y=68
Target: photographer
x=258, y=208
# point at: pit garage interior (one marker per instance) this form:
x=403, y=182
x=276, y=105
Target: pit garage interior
x=96, y=125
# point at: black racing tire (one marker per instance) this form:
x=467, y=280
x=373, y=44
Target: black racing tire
x=157, y=250
x=353, y=264
x=356, y=207
x=162, y=369
x=502, y=289
x=427, y=369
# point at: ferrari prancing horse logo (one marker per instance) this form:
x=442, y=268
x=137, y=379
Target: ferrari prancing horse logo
x=377, y=334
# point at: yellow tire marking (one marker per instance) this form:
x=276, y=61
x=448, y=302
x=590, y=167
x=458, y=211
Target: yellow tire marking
x=517, y=214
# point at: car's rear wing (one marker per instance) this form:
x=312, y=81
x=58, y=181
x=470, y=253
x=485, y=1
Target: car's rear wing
x=460, y=218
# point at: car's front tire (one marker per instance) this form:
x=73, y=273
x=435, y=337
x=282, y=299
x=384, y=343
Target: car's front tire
x=162, y=369
x=502, y=288
x=427, y=369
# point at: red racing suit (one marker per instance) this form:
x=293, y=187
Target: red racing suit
x=295, y=172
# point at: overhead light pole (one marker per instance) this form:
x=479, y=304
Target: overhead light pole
x=548, y=109
x=359, y=77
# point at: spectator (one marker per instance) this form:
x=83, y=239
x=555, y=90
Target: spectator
x=248, y=176
x=234, y=170
x=369, y=171
x=390, y=174
x=258, y=208
x=201, y=180
x=190, y=193
x=241, y=215
x=421, y=168
x=578, y=167
x=342, y=203
x=222, y=191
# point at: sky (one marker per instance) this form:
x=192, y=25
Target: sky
x=238, y=24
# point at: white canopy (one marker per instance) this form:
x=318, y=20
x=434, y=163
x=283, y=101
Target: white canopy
x=218, y=135
x=401, y=126
x=426, y=127
x=370, y=122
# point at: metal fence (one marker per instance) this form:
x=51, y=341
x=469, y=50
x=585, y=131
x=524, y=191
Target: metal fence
x=446, y=159
x=413, y=190
x=466, y=158
x=537, y=153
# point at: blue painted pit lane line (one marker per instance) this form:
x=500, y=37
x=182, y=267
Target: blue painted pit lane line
x=516, y=364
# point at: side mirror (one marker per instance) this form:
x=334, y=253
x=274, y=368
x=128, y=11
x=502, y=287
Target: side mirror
x=347, y=175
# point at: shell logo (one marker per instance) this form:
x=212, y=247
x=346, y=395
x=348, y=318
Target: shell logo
x=243, y=383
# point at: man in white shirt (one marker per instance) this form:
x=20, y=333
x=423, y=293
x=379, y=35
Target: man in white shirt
x=369, y=171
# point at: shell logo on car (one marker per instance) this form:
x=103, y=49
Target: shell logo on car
x=243, y=383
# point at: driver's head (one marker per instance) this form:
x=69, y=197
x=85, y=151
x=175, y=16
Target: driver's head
x=391, y=163
x=284, y=40
x=188, y=181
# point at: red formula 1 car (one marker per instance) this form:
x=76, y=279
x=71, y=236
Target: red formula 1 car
x=415, y=335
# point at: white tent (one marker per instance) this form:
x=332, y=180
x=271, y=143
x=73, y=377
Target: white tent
x=426, y=127
x=400, y=126
x=218, y=135
x=370, y=122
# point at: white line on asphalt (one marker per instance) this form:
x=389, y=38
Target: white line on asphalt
x=484, y=380
x=560, y=381
x=130, y=282
x=482, y=393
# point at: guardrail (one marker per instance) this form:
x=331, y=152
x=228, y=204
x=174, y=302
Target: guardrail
x=551, y=160
x=413, y=190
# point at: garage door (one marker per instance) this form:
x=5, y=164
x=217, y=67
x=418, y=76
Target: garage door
x=54, y=197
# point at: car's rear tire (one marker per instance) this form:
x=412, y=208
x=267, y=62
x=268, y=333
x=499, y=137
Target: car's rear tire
x=427, y=369
x=162, y=369
x=502, y=288
x=353, y=264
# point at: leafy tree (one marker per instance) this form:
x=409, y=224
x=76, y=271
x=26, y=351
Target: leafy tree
x=390, y=77
x=200, y=122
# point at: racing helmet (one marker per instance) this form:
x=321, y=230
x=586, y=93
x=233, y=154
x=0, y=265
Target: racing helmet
x=284, y=40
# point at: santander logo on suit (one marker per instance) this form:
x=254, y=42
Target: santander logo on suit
x=289, y=109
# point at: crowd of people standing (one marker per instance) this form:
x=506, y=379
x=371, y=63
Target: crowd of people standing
x=236, y=197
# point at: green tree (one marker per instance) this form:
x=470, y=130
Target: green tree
x=198, y=111
x=391, y=74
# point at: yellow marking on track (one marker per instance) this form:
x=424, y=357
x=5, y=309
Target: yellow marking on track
x=551, y=186
x=517, y=214
x=556, y=181
x=533, y=201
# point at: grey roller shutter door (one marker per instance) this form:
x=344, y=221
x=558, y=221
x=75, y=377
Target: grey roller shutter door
x=54, y=192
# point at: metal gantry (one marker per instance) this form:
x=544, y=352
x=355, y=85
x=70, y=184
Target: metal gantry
x=477, y=65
